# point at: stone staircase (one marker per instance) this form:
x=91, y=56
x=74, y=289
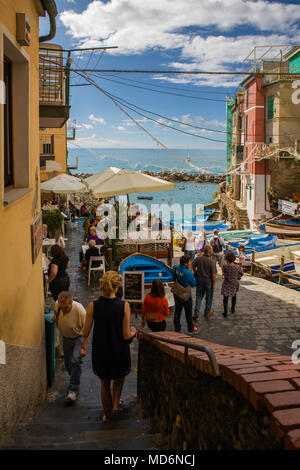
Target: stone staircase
x=233, y=212
x=78, y=426
x=243, y=216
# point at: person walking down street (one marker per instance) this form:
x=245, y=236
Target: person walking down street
x=202, y=243
x=58, y=278
x=70, y=317
x=183, y=295
x=155, y=307
x=230, y=285
x=112, y=335
x=217, y=244
x=204, y=268
x=190, y=246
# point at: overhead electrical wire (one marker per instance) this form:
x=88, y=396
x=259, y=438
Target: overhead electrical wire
x=165, y=125
x=125, y=103
x=162, y=92
x=169, y=87
x=76, y=71
x=178, y=157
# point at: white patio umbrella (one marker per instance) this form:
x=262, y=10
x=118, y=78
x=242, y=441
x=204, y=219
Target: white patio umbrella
x=127, y=182
x=63, y=184
x=98, y=178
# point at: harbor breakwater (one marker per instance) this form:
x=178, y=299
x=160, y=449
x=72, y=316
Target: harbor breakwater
x=176, y=176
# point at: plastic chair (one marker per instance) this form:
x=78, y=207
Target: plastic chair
x=98, y=268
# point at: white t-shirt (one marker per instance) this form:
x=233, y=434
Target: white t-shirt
x=190, y=244
x=72, y=323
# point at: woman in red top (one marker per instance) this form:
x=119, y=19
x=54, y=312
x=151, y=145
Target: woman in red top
x=155, y=307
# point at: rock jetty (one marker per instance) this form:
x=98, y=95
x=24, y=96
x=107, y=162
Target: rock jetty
x=177, y=176
x=183, y=176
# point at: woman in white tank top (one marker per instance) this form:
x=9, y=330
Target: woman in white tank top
x=190, y=248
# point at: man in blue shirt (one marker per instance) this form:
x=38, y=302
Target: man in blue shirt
x=185, y=278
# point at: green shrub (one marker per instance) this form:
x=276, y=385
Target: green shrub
x=53, y=219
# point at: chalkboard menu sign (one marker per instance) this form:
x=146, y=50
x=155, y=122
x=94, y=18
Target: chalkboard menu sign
x=133, y=286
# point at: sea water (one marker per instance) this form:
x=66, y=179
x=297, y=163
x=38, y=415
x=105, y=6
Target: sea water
x=213, y=161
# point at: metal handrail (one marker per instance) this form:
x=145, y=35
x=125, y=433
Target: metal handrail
x=186, y=344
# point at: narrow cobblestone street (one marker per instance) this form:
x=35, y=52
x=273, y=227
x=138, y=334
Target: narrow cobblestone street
x=267, y=318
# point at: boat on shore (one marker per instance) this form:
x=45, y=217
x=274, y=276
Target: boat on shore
x=235, y=235
x=208, y=228
x=290, y=228
x=269, y=260
x=259, y=243
x=152, y=268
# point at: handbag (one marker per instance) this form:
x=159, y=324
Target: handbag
x=182, y=292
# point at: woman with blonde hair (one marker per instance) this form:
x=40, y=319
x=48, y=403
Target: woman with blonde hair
x=112, y=335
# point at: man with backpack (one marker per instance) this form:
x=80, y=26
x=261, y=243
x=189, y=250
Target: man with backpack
x=217, y=244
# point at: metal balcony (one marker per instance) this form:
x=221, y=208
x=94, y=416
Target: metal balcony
x=53, y=87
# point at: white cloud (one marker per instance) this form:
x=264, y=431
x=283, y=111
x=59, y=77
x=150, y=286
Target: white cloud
x=136, y=26
x=88, y=126
x=119, y=128
x=97, y=119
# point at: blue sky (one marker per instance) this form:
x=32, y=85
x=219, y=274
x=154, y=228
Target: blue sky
x=186, y=35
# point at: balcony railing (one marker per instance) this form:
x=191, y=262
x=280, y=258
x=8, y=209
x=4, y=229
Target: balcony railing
x=53, y=87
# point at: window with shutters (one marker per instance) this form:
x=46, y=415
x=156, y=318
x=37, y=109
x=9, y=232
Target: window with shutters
x=270, y=107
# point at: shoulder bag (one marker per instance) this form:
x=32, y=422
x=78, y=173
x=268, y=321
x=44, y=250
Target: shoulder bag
x=182, y=292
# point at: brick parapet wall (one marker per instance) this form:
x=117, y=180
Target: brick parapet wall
x=269, y=382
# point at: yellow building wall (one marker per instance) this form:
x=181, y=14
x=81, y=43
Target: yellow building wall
x=60, y=150
x=21, y=282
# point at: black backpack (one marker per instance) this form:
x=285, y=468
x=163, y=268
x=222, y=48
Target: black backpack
x=216, y=245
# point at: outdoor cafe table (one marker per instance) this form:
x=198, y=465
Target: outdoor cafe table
x=48, y=243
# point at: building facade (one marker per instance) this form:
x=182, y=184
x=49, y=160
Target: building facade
x=53, y=152
x=22, y=362
x=269, y=137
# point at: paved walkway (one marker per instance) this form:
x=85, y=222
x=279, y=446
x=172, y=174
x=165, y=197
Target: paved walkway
x=267, y=318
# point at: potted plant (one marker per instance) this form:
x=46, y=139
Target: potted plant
x=53, y=219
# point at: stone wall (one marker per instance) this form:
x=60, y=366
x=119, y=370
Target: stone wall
x=255, y=404
x=22, y=386
x=285, y=177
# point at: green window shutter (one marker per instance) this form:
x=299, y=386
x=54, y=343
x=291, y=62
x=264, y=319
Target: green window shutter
x=270, y=107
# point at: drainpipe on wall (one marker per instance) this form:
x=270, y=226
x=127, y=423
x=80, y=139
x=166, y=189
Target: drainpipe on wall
x=50, y=7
